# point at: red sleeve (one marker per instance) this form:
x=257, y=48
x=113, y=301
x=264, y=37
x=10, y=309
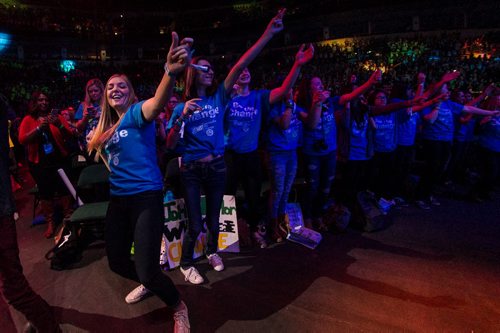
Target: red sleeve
x=28, y=124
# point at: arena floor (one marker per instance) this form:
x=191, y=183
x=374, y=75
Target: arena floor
x=431, y=271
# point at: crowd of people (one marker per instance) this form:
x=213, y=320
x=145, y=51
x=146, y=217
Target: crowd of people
x=337, y=121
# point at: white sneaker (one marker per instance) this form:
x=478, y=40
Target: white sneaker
x=192, y=275
x=137, y=295
x=215, y=261
x=259, y=239
x=181, y=320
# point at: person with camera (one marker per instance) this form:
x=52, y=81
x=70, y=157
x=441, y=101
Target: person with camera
x=43, y=132
x=88, y=112
x=320, y=141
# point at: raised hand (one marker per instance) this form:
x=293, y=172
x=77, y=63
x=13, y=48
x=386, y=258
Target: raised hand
x=376, y=77
x=276, y=24
x=320, y=96
x=417, y=101
x=304, y=56
x=179, y=55
x=44, y=122
x=489, y=89
x=54, y=120
x=450, y=76
x=190, y=107
x=421, y=78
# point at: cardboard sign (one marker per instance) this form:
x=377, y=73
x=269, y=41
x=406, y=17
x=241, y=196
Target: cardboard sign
x=176, y=225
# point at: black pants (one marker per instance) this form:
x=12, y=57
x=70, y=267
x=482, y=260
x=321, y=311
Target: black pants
x=403, y=161
x=139, y=218
x=246, y=169
x=355, y=179
x=437, y=154
x=490, y=171
x=382, y=174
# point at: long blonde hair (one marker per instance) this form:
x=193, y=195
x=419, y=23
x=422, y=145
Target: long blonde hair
x=93, y=82
x=110, y=119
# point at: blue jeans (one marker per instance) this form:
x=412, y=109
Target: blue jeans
x=320, y=172
x=283, y=167
x=139, y=218
x=211, y=177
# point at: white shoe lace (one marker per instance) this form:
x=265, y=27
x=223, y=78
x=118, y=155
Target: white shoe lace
x=215, y=260
x=181, y=322
x=196, y=277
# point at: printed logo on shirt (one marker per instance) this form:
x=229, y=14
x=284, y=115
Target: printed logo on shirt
x=384, y=123
x=123, y=133
x=239, y=111
x=208, y=112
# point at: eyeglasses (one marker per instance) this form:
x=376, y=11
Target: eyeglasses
x=173, y=102
x=380, y=97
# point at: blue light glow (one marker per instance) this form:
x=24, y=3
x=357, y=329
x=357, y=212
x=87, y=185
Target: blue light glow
x=67, y=66
x=4, y=41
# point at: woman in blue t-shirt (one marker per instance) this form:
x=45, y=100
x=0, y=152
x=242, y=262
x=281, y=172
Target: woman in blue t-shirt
x=320, y=141
x=243, y=121
x=283, y=135
x=489, y=152
x=126, y=132
x=88, y=112
x=437, y=134
x=203, y=166
x=357, y=140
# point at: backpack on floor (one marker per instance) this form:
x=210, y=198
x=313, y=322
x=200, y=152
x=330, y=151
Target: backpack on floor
x=367, y=215
x=68, y=249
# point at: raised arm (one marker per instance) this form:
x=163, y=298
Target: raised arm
x=374, y=78
x=378, y=110
x=420, y=84
x=450, y=76
x=478, y=111
x=302, y=57
x=486, y=92
x=177, y=59
x=313, y=115
x=275, y=26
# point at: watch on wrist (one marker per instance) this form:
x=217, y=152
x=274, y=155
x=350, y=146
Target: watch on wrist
x=168, y=72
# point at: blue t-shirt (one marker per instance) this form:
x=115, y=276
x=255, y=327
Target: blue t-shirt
x=325, y=131
x=278, y=139
x=243, y=120
x=489, y=135
x=79, y=111
x=406, y=130
x=443, y=127
x=132, y=155
x=358, y=144
x=204, y=130
x=385, y=133
x=464, y=132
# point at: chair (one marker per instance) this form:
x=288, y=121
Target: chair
x=93, y=190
